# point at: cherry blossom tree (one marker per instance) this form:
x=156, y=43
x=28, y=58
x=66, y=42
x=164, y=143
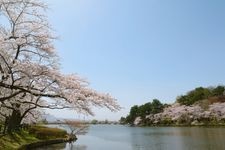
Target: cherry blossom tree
x=76, y=127
x=30, y=77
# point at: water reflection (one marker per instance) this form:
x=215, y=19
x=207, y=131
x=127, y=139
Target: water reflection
x=63, y=146
x=60, y=146
x=191, y=138
x=203, y=138
x=112, y=137
x=72, y=146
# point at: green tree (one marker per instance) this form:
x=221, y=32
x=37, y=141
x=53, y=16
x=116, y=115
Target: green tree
x=94, y=121
x=134, y=112
x=145, y=109
x=218, y=91
x=106, y=121
x=128, y=119
x=122, y=120
x=157, y=106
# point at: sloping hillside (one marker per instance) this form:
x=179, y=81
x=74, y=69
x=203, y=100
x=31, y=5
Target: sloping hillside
x=201, y=106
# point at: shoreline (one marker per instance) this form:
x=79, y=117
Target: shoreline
x=46, y=143
x=174, y=125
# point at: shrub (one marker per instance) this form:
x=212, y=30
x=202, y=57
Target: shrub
x=167, y=121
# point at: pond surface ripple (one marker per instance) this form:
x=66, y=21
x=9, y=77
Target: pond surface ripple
x=118, y=137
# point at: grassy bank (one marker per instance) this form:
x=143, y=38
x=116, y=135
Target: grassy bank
x=31, y=135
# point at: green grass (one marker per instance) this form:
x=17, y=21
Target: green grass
x=46, y=133
x=15, y=140
x=33, y=134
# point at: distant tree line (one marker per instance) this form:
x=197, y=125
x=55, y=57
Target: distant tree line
x=153, y=107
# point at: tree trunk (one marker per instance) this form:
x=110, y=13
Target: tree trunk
x=5, y=125
x=14, y=121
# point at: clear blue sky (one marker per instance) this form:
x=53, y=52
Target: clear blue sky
x=138, y=50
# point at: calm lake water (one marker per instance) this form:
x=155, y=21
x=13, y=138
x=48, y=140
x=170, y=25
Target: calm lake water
x=117, y=137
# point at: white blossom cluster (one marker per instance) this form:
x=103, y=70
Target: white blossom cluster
x=191, y=114
x=30, y=78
